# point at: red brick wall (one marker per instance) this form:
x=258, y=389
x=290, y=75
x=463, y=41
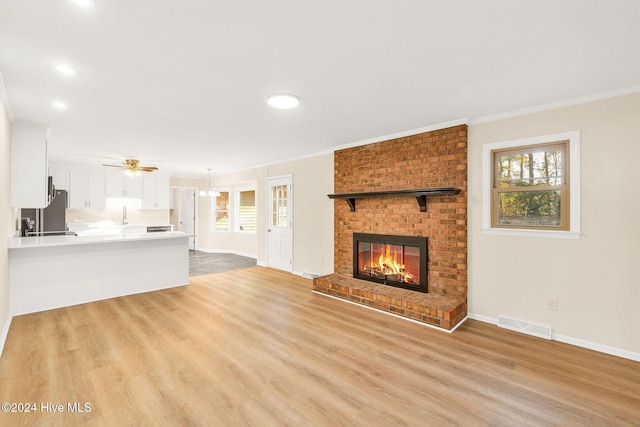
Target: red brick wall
x=432, y=159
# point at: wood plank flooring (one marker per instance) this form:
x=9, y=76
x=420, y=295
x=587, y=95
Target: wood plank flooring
x=257, y=347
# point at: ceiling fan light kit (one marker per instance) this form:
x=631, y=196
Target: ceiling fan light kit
x=131, y=167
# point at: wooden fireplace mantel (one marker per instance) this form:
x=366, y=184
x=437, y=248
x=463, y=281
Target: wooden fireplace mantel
x=420, y=195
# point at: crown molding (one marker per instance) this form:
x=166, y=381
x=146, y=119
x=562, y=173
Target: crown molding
x=402, y=134
x=559, y=104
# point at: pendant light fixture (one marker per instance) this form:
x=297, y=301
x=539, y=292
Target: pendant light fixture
x=209, y=191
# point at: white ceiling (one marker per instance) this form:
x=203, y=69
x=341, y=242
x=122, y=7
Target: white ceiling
x=183, y=84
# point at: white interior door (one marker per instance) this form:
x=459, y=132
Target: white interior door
x=187, y=214
x=279, y=223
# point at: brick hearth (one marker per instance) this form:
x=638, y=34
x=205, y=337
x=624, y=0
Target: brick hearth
x=429, y=160
x=434, y=309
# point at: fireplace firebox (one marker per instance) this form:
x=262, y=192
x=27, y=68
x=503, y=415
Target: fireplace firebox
x=399, y=261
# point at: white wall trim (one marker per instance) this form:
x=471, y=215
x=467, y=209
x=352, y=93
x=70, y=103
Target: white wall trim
x=5, y=333
x=555, y=105
x=531, y=233
x=402, y=134
x=596, y=347
x=485, y=319
x=306, y=274
x=574, y=179
x=565, y=339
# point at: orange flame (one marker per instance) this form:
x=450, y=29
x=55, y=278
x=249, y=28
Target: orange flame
x=389, y=265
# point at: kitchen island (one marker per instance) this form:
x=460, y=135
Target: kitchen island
x=58, y=271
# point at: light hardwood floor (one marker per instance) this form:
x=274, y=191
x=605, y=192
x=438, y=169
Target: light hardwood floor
x=257, y=347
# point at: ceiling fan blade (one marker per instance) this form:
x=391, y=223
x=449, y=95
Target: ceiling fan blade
x=133, y=166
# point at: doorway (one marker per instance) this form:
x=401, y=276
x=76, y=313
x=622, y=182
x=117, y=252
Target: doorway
x=184, y=213
x=280, y=223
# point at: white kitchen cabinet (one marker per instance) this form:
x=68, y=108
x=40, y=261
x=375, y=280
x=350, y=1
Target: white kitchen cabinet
x=29, y=165
x=123, y=186
x=155, y=192
x=86, y=190
x=60, y=178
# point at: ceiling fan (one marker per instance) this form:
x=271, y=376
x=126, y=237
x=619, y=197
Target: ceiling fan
x=132, y=167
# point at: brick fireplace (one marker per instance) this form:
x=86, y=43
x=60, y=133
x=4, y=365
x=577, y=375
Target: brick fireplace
x=376, y=193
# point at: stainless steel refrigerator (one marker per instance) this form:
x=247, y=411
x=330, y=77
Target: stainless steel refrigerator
x=49, y=220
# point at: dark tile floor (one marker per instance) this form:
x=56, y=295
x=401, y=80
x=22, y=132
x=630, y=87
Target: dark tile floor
x=205, y=263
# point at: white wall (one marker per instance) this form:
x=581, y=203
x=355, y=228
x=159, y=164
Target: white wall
x=7, y=220
x=240, y=243
x=596, y=278
x=312, y=180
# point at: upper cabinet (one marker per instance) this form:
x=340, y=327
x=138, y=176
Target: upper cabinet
x=86, y=190
x=155, y=192
x=123, y=186
x=29, y=168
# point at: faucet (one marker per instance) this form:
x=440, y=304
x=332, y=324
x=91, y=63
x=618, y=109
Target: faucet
x=124, y=215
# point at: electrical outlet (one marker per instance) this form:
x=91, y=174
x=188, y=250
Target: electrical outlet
x=552, y=304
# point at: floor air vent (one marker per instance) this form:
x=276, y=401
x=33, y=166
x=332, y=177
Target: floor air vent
x=540, y=331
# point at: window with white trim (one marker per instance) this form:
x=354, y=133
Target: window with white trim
x=246, y=210
x=220, y=214
x=531, y=186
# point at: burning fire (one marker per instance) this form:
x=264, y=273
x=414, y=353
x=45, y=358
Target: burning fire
x=388, y=265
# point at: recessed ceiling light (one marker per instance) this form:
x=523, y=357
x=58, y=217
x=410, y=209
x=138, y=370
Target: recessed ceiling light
x=59, y=105
x=283, y=100
x=85, y=3
x=65, y=69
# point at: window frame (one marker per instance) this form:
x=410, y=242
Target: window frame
x=212, y=225
x=572, y=192
x=236, y=206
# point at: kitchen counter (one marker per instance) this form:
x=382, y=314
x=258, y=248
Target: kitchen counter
x=43, y=241
x=48, y=272
x=110, y=227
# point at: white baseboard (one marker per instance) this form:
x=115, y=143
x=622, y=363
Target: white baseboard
x=262, y=264
x=5, y=333
x=306, y=274
x=601, y=348
x=626, y=354
x=484, y=319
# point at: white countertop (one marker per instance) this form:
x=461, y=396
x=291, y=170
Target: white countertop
x=110, y=227
x=47, y=241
